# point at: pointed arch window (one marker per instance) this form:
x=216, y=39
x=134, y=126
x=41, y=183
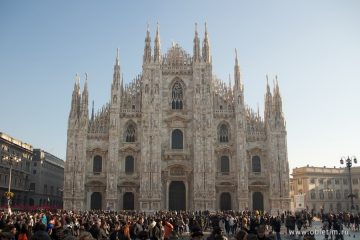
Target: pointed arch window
x=224, y=164
x=97, y=164
x=223, y=133
x=130, y=133
x=129, y=164
x=256, y=164
x=177, y=139
x=177, y=96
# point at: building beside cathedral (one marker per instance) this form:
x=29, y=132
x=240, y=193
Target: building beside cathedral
x=176, y=137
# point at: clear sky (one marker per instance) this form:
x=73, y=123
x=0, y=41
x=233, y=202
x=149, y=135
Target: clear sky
x=313, y=47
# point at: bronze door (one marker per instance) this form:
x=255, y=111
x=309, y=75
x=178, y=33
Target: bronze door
x=225, y=201
x=96, y=199
x=177, y=196
x=128, y=201
x=258, y=201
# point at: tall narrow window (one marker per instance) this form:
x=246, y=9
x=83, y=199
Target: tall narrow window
x=338, y=194
x=177, y=96
x=256, y=164
x=223, y=133
x=97, y=164
x=130, y=133
x=129, y=164
x=224, y=164
x=312, y=194
x=177, y=139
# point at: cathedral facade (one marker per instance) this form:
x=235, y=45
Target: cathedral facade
x=176, y=138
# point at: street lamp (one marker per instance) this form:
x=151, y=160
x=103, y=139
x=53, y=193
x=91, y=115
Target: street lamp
x=349, y=162
x=12, y=159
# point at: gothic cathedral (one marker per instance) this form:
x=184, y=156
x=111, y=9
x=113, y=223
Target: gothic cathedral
x=176, y=138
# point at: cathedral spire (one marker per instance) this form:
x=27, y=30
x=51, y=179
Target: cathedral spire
x=85, y=90
x=206, y=47
x=268, y=100
x=147, y=48
x=76, y=99
x=92, y=111
x=117, y=61
x=229, y=81
x=277, y=97
x=84, y=99
x=196, y=49
x=237, y=72
x=116, y=75
x=157, y=46
x=277, y=105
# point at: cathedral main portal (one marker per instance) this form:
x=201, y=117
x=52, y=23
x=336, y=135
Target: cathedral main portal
x=177, y=196
x=96, y=201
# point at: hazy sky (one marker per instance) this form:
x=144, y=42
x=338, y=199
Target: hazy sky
x=313, y=47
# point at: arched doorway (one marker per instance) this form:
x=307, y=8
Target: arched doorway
x=96, y=201
x=177, y=196
x=128, y=201
x=225, y=201
x=258, y=201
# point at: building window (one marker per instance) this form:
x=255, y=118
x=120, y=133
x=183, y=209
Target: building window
x=45, y=189
x=330, y=195
x=177, y=139
x=52, y=190
x=34, y=171
x=321, y=181
x=35, y=164
x=256, y=164
x=312, y=180
x=337, y=181
x=129, y=164
x=328, y=182
x=321, y=194
x=177, y=96
x=299, y=181
x=331, y=207
x=97, y=164
x=224, y=164
x=130, y=133
x=338, y=194
x=312, y=194
x=32, y=187
x=346, y=193
x=223, y=133
x=345, y=181
x=355, y=181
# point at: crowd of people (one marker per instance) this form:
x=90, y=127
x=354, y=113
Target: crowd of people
x=167, y=225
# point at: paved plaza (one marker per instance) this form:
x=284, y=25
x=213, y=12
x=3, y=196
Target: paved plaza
x=316, y=228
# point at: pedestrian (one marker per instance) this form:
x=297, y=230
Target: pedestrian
x=241, y=235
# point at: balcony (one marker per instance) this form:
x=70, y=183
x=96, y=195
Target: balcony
x=129, y=176
x=225, y=176
x=257, y=175
x=96, y=175
x=177, y=154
